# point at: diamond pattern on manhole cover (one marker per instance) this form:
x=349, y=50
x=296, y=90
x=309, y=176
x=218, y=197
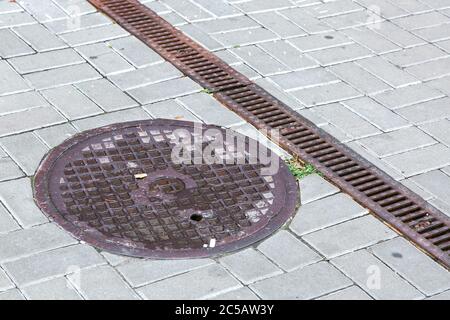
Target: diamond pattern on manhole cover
x=165, y=189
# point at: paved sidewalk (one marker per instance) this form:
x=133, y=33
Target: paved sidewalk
x=367, y=78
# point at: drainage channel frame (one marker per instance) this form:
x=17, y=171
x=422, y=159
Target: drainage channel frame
x=388, y=199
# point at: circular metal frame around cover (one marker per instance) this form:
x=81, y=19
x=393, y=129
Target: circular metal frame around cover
x=119, y=189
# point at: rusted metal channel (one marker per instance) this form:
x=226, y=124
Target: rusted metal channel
x=389, y=200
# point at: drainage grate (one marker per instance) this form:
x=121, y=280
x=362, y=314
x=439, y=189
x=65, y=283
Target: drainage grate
x=124, y=188
x=385, y=197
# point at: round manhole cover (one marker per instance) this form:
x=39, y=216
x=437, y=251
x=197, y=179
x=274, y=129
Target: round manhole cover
x=165, y=189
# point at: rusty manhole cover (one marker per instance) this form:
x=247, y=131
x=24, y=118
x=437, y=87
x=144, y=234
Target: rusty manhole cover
x=146, y=189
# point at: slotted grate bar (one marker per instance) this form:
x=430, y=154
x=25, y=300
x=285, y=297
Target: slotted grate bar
x=388, y=199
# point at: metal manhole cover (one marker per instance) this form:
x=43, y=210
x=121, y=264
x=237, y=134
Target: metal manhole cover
x=165, y=189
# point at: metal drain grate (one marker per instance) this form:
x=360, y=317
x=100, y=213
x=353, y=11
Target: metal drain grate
x=123, y=188
x=371, y=187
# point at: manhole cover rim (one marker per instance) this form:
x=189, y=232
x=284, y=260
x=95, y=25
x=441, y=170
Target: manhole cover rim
x=40, y=185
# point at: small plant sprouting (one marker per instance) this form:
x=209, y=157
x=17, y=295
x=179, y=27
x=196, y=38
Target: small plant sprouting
x=301, y=169
x=207, y=91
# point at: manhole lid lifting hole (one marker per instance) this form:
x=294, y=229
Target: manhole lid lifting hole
x=138, y=189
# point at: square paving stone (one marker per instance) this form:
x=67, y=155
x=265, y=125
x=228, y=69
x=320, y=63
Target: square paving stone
x=54, y=289
x=375, y=277
x=249, y=266
x=314, y=187
x=306, y=283
x=350, y=293
x=215, y=280
x=325, y=212
x=102, y=283
x=425, y=274
x=288, y=252
x=349, y=236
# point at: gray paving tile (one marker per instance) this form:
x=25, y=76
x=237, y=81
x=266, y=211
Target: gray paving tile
x=436, y=182
x=16, y=19
x=407, y=96
x=142, y=272
x=409, y=183
x=93, y=35
x=426, y=111
x=227, y=24
x=201, y=36
x=71, y=102
x=135, y=51
x=398, y=141
x=371, y=40
x=346, y=120
x=324, y=213
x=244, y=37
x=430, y=70
x=320, y=41
x=353, y=19
x=359, y=78
x=243, y=293
x=104, y=58
x=218, y=8
x=188, y=10
x=101, y=283
x=425, y=274
x=375, y=277
x=326, y=94
x=62, y=76
x=349, y=236
x=381, y=117
x=21, y=102
x=10, y=81
x=77, y=23
x=304, y=78
x=46, y=60
x=25, y=242
x=435, y=33
x=170, y=109
x=441, y=296
x=54, y=289
x=306, y=283
x=249, y=266
x=17, y=197
x=145, y=76
x=263, y=5
x=40, y=38
x=420, y=160
x=106, y=95
x=419, y=21
x=397, y=35
x=13, y=294
x=5, y=282
x=259, y=60
x=387, y=72
x=49, y=264
x=333, y=8
x=29, y=120
x=345, y=53
x=26, y=150
x=288, y=252
x=386, y=9
x=43, y=10
x=350, y=293
x=442, y=84
x=206, y=108
x=315, y=187
x=278, y=24
x=110, y=118
x=306, y=21
x=440, y=130
x=55, y=135
x=9, y=169
x=164, y=90
x=12, y=45
x=215, y=280
x=416, y=55
x=288, y=55
x=7, y=223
